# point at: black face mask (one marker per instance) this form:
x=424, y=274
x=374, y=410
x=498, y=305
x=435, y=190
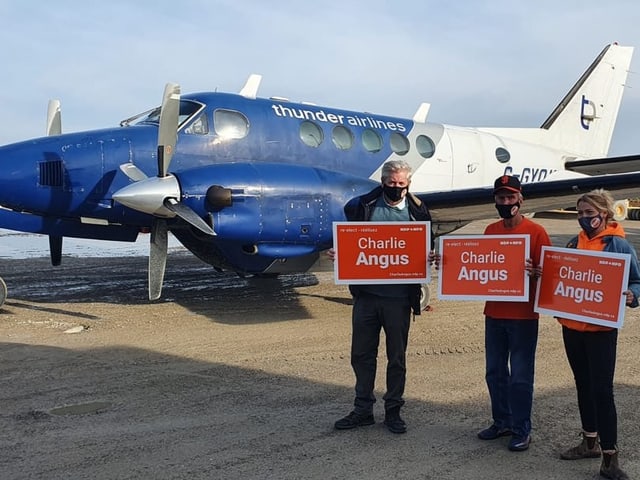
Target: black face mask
x=508, y=211
x=590, y=224
x=394, y=194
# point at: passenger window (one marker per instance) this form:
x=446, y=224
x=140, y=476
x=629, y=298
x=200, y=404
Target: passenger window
x=502, y=155
x=342, y=137
x=399, y=143
x=311, y=134
x=199, y=127
x=371, y=140
x=229, y=124
x=425, y=146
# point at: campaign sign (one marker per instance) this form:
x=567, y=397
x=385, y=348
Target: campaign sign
x=381, y=252
x=484, y=267
x=573, y=285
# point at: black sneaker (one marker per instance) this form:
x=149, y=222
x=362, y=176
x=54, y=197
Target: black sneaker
x=519, y=443
x=394, y=423
x=354, y=420
x=493, y=432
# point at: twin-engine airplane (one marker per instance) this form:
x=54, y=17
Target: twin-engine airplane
x=253, y=184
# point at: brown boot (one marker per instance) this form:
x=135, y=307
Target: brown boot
x=588, y=448
x=610, y=468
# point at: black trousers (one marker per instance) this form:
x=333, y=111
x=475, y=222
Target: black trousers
x=371, y=314
x=592, y=356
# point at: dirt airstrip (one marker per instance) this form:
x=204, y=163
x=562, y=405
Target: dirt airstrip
x=229, y=378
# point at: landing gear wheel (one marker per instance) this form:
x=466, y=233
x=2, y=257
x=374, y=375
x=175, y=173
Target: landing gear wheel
x=620, y=210
x=3, y=292
x=425, y=297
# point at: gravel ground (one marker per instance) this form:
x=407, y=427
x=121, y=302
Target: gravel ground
x=228, y=378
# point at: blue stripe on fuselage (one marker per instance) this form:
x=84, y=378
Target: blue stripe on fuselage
x=274, y=134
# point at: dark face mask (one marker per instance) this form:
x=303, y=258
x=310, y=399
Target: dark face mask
x=590, y=224
x=394, y=194
x=508, y=211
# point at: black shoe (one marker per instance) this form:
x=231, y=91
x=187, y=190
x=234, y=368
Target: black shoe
x=493, y=432
x=518, y=443
x=394, y=423
x=354, y=420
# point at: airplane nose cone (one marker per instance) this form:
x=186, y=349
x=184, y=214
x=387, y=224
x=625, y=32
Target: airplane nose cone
x=148, y=195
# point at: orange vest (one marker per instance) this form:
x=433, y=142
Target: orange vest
x=596, y=244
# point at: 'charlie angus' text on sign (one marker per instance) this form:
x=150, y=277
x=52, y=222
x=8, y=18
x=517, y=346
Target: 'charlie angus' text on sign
x=573, y=285
x=483, y=267
x=386, y=252
x=373, y=251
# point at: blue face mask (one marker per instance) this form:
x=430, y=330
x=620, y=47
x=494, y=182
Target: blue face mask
x=590, y=224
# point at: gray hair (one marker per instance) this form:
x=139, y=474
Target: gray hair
x=393, y=166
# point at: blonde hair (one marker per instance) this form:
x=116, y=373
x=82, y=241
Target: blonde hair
x=601, y=200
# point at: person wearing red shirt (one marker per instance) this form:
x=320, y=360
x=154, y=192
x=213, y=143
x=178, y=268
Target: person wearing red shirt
x=511, y=329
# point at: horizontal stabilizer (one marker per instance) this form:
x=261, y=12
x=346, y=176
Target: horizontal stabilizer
x=603, y=166
x=453, y=209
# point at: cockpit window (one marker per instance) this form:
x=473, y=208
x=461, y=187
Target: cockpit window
x=200, y=125
x=230, y=124
x=152, y=117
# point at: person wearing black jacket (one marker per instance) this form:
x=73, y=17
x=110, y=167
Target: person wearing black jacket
x=385, y=307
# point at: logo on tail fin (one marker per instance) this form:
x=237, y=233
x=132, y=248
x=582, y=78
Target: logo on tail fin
x=587, y=114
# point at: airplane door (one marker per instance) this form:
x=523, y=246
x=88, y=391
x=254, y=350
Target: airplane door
x=431, y=161
x=467, y=154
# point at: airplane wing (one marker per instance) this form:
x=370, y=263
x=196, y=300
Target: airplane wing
x=454, y=209
x=603, y=166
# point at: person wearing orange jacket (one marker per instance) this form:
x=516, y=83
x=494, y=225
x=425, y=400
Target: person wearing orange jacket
x=591, y=349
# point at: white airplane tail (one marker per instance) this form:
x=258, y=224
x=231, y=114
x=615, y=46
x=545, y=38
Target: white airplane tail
x=583, y=121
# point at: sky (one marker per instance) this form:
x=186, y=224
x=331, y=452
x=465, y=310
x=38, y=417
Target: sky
x=500, y=63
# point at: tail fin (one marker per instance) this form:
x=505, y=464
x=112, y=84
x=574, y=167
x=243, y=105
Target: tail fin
x=583, y=122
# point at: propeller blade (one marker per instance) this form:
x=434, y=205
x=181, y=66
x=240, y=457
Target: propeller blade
x=54, y=118
x=168, y=129
x=188, y=215
x=133, y=172
x=250, y=89
x=157, y=257
x=55, y=250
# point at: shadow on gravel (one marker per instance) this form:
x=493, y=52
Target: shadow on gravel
x=123, y=281
x=130, y=413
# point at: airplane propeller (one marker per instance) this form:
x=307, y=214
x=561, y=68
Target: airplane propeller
x=159, y=196
x=54, y=127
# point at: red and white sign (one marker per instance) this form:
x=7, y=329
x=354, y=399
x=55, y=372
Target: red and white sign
x=483, y=267
x=384, y=252
x=573, y=285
